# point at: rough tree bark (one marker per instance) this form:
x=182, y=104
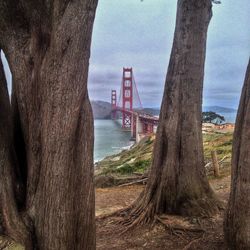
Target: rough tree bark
x=177, y=180
x=13, y=222
x=47, y=44
x=237, y=220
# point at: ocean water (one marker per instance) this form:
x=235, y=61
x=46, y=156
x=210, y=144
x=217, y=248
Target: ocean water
x=109, y=139
x=230, y=117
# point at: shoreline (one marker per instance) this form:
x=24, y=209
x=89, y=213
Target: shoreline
x=126, y=148
x=206, y=128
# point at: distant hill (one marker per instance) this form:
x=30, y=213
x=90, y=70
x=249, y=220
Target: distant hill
x=152, y=111
x=101, y=109
x=218, y=109
x=228, y=113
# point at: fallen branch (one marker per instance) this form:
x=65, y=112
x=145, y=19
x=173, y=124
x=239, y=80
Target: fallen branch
x=133, y=182
x=138, y=174
x=210, y=163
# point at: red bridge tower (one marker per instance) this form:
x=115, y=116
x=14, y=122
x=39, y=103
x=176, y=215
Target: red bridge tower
x=127, y=96
x=113, y=104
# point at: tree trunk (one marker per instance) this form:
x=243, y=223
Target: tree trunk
x=13, y=222
x=177, y=181
x=237, y=221
x=52, y=119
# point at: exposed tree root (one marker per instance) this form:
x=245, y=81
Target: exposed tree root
x=187, y=247
x=145, y=211
x=180, y=228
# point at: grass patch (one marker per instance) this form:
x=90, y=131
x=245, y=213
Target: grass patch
x=127, y=169
x=221, y=142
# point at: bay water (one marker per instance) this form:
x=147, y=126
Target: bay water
x=230, y=117
x=110, y=138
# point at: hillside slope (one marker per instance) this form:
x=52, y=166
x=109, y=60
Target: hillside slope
x=138, y=158
x=101, y=109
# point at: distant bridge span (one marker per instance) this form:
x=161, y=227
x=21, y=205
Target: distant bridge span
x=133, y=118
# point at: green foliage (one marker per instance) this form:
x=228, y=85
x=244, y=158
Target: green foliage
x=212, y=117
x=125, y=169
x=149, y=141
x=142, y=166
x=138, y=167
x=216, y=1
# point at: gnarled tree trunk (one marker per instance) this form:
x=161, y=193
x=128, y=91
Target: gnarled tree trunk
x=47, y=44
x=12, y=221
x=177, y=180
x=237, y=220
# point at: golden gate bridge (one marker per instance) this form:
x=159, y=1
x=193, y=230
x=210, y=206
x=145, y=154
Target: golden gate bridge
x=129, y=105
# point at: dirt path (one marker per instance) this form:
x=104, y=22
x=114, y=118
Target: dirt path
x=159, y=237
x=109, y=200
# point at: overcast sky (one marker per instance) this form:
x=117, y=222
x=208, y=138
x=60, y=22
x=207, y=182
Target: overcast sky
x=139, y=34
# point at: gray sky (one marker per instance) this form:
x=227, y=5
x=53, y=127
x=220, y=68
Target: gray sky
x=131, y=33
x=139, y=34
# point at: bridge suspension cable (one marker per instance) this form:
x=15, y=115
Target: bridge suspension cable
x=136, y=94
x=119, y=103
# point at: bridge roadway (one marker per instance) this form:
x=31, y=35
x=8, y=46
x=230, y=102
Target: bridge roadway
x=142, y=124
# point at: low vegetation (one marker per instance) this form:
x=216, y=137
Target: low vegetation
x=138, y=158
x=8, y=244
x=135, y=160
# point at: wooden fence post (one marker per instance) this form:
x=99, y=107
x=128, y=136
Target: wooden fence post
x=216, y=166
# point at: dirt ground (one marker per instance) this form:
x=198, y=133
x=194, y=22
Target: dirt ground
x=181, y=233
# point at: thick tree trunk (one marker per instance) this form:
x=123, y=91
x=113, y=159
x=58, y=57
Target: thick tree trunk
x=49, y=56
x=13, y=222
x=237, y=221
x=177, y=181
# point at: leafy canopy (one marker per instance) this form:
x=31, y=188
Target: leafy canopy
x=212, y=117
